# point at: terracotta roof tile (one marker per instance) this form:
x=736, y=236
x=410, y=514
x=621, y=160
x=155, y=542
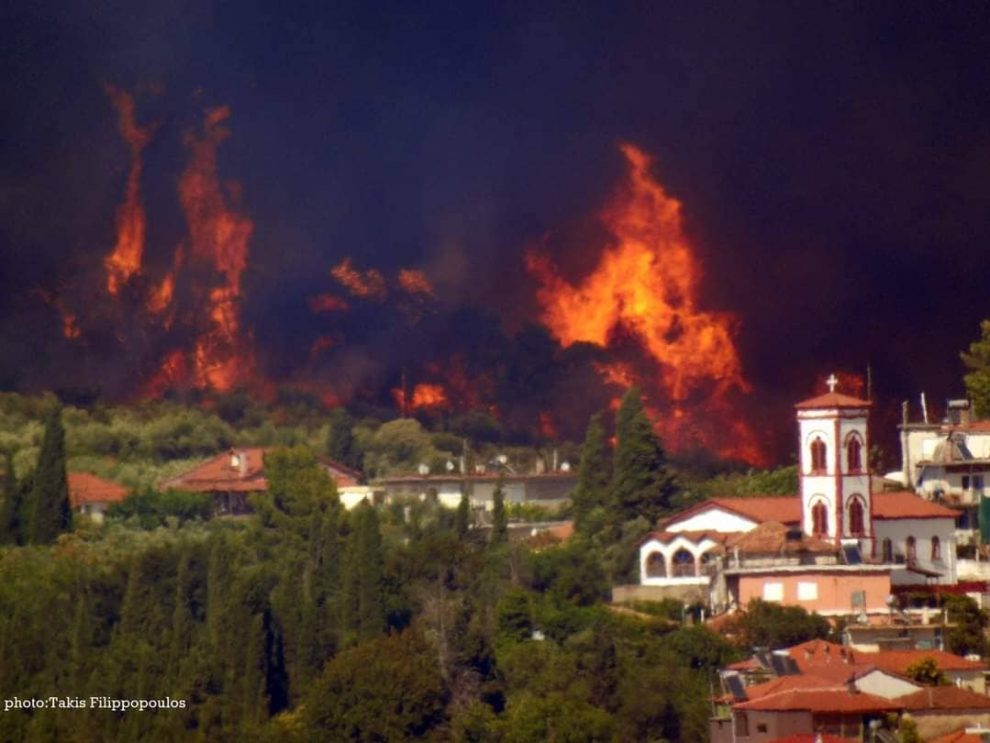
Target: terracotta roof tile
x=85, y=488
x=834, y=699
x=785, y=509
x=905, y=504
x=944, y=697
x=242, y=470
x=959, y=736
x=833, y=400
x=772, y=537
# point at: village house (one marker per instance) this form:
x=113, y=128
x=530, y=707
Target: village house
x=230, y=478
x=92, y=496
x=949, y=462
x=837, y=547
x=820, y=687
x=548, y=489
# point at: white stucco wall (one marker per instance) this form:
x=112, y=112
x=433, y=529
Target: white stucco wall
x=713, y=518
x=898, y=530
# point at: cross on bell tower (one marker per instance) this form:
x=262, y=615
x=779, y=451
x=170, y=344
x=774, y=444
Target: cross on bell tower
x=832, y=382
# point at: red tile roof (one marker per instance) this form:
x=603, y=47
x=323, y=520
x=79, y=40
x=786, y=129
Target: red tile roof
x=242, y=470
x=835, y=699
x=959, y=736
x=759, y=508
x=832, y=400
x=944, y=697
x=773, y=538
x=905, y=504
x=814, y=655
x=85, y=488
x=785, y=509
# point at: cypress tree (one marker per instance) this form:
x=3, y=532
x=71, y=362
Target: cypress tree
x=642, y=485
x=500, y=521
x=50, y=513
x=10, y=511
x=340, y=439
x=463, y=520
x=364, y=595
x=593, y=473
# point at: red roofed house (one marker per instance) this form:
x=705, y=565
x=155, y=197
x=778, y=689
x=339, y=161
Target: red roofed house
x=836, y=547
x=827, y=688
x=231, y=477
x=92, y=495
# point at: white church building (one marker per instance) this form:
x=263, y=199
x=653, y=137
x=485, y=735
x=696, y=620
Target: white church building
x=835, y=534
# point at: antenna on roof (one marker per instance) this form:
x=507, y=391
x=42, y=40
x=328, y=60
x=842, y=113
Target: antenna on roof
x=924, y=407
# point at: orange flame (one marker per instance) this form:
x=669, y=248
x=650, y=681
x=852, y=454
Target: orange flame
x=422, y=397
x=415, y=282
x=218, y=240
x=125, y=259
x=645, y=286
x=327, y=303
x=547, y=427
x=172, y=372
x=369, y=284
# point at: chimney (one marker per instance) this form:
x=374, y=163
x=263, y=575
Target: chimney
x=242, y=463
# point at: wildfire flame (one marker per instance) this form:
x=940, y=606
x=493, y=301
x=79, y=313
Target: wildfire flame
x=218, y=240
x=125, y=259
x=422, y=397
x=368, y=284
x=327, y=303
x=415, y=282
x=644, y=287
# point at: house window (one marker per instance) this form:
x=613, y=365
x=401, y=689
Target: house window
x=856, y=521
x=888, y=551
x=912, y=550
x=818, y=455
x=978, y=483
x=936, y=549
x=683, y=564
x=819, y=519
x=854, y=454
x=742, y=724
x=965, y=482
x=807, y=591
x=656, y=566
x=773, y=591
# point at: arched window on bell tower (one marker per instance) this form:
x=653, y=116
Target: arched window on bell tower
x=854, y=454
x=819, y=456
x=857, y=520
x=819, y=520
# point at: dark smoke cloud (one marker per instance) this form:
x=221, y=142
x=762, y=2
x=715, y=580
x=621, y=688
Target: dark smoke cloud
x=834, y=164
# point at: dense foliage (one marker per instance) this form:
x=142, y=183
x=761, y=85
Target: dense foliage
x=977, y=378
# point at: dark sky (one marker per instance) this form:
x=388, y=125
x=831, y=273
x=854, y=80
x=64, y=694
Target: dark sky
x=833, y=158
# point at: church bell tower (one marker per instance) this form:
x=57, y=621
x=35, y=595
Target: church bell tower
x=833, y=469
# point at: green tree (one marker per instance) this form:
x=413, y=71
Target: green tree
x=500, y=520
x=463, y=520
x=340, y=439
x=926, y=671
x=977, y=379
x=364, y=588
x=388, y=688
x=50, y=513
x=593, y=474
x=774, y=626
x=10, y=510
x=641, y=485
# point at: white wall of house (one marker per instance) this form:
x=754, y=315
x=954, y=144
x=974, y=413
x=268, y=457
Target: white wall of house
x=699, y=552
x=923, y=530
x=883, y=684
x=712, y=519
